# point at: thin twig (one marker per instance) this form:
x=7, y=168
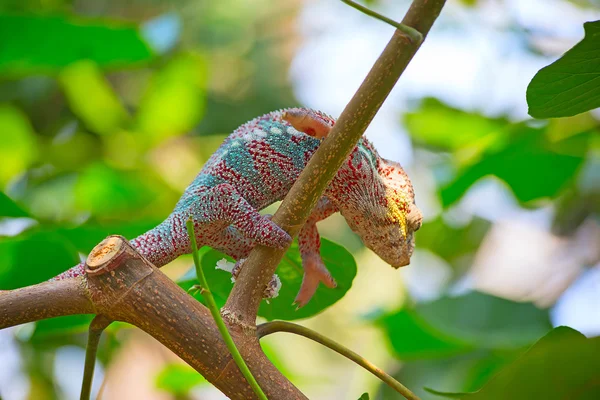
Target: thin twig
x=97, y=326
x=414, y=34
x=214, y=310
x=283, y=326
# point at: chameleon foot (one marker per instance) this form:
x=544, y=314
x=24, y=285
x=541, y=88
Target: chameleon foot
x=314, y=272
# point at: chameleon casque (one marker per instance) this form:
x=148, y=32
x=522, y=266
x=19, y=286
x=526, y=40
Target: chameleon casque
x=256, y=166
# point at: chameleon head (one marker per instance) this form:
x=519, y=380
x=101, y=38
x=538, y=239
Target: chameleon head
x=387, y=216
x=402, y=218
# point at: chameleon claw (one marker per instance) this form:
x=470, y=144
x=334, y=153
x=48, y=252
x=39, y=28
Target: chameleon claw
x=314, y=273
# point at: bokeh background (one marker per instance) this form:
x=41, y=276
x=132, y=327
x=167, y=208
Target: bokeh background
x=108, y=110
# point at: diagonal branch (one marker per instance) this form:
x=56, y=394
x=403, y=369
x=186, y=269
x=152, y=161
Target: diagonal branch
x=244, y=300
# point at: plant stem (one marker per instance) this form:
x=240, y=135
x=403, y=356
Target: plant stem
x=97, y=326
x=414, y=34
x=214, y=310
x=283, y=326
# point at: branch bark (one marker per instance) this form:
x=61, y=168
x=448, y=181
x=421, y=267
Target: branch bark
x=244, y=300
x=44, y=300
x=126, y=287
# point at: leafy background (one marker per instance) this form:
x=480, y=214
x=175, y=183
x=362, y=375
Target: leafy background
x=109, y=109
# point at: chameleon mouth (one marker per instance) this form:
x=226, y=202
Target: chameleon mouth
x=405, y=261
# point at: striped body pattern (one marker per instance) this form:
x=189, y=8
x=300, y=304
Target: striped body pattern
x=256, y=166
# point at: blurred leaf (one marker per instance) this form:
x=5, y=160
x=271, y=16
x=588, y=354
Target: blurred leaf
x=453, y=325
x=569, y=86
x=8, y=208
x=51, y=197
x=34, y=257
x=564, y=364
x=175, y=99
x=179, y=379
x=438, y=125
x=19, y=146
x=466, y=372
x=338, y=260
x=69, y=324
x=71, y=149
x=111, y=193
x=42, y=43
x=451, y=243
x=364, y=396
x=532, y=166
x=91, y=98
x=88, y=235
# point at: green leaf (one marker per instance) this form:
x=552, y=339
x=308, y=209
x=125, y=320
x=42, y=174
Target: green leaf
x=570, y=85
x=91, y=98
x=175, y=99
x=564, y=364
x=364, y=396
x=454, y=325
x=61, y=326
x=19, y=147
x=179, y=379
x=85, y=237
x=112, y=193
x=438, y=125
x=337, y=259
x=8, y=208
x=34, y=257
x=25, y=40
x=531, y=165
x=453, y=244
x=466, y=372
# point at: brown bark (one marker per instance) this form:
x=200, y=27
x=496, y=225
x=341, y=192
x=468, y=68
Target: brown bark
x=44, y=300
x=132, y=290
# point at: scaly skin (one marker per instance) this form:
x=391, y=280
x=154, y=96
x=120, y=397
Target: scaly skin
x=255, y=167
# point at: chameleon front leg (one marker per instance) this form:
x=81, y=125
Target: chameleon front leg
x=309, y=244
x=223, y=205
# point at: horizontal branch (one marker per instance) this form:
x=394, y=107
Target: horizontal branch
x=44, y=300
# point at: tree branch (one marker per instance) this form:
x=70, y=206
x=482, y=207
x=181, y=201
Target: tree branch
x=126, y=287
x=44, y=300
x=244, y=299
x=283, y=326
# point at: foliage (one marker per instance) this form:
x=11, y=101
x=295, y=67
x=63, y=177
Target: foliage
x=564, y=364
x=456, y=325
x=569, y=86
x=106, y=43
x=338, y=261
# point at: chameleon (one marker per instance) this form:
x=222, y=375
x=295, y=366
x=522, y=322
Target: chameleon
x=256, y=166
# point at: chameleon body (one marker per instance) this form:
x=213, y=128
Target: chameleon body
x=256, y=166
